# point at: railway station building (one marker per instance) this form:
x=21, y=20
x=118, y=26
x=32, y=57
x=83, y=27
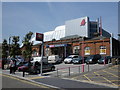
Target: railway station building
x=78, y=36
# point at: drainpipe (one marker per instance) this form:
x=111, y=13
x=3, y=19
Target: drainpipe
x=111, y=45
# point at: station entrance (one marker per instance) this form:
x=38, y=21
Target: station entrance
x=63, y=50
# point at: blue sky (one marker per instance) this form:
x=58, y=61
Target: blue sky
x=19, y=18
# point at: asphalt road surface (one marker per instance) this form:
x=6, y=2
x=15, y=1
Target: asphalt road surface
x=13, y=82
x=64, y=83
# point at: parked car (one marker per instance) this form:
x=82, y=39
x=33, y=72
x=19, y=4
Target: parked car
x=93, y=59
x=33, y=69
x=19, y=58
x=19, y=64
x=79, y=60
x=106, y=60
x=24, y=67
x=54, y=59
x=70, y=58
x=44, y=59
x=45, y=67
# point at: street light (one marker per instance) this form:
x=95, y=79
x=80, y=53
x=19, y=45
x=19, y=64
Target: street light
x=83, y=54
x=9, y=46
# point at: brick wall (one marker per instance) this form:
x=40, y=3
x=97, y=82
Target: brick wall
x=93, y=44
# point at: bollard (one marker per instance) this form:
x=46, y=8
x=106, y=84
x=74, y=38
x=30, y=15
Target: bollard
x=88, y=67
x=104, y=61
x=57, y=72
x=23, y=73
x=69, y=71
x=82, y=67
x=79, y=69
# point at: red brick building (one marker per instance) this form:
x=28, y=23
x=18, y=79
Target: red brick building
x=81, y=46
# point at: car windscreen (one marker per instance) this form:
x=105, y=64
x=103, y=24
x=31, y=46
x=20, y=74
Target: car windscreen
x=26, y=64
x=90, y=57
x=102, y=58
x=69, y=56
x=80, y=57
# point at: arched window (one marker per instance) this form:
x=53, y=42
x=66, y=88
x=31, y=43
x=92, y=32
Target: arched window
x=102, y=49
x=76, y=49
x=34, y=53
x=87, y=50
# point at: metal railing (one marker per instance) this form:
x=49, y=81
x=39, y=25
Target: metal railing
x=68, y=71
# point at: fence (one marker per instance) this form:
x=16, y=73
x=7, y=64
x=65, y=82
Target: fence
x=68, y=71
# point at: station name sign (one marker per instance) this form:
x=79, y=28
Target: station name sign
x=57, y=45
x=39, y=36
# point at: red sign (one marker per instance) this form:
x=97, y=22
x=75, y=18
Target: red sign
x=83, y=22
x=39, y=37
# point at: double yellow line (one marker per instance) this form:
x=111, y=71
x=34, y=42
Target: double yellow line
x=24, y=81
x=106, y=79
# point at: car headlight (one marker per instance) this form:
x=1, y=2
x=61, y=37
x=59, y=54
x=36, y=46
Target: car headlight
x=90, y=59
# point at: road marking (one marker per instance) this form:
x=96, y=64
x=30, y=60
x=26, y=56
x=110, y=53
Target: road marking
x=105, y=79
x=41, y=86
x=64, y=71
x=110, y=73
x=35, y=77
x=114, y=69
x=87, y=78
x=115, y=80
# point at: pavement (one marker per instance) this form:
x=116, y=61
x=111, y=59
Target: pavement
x=57, y=83
x=107, y=76
x=102, y=78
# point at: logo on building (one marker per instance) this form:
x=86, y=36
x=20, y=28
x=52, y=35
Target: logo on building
x=39, y=37
x=83, y=22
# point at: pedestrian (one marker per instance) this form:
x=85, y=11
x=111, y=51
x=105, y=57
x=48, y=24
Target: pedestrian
x=37, y=65
x=12, y=66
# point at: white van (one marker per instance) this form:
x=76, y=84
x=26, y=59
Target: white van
x=54, y=59
x=45, y=60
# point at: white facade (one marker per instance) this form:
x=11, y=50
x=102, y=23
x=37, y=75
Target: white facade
x=77, y=27
x=58, y=33
x=71, y=27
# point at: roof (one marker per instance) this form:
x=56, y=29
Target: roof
x=56, y=34
x=98, y=38
x=69, y=37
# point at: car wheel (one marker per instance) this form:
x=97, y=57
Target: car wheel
x=53, y=69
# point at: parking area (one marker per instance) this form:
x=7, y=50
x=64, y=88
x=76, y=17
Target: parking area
x=97, y=73
x=108, y=76
x=63, y=69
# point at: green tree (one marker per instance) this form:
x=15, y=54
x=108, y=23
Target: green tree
x=4, y=49
x=27, y=52
x=15, y=47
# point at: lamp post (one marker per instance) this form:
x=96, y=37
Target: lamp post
x=9, y=46
x=42, y=48
x=83, y=54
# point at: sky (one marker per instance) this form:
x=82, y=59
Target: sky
x=18, y=18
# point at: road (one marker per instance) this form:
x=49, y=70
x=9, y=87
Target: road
x=68, y=83
x=13, y=82
x=65, y=83
x=10, y=81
